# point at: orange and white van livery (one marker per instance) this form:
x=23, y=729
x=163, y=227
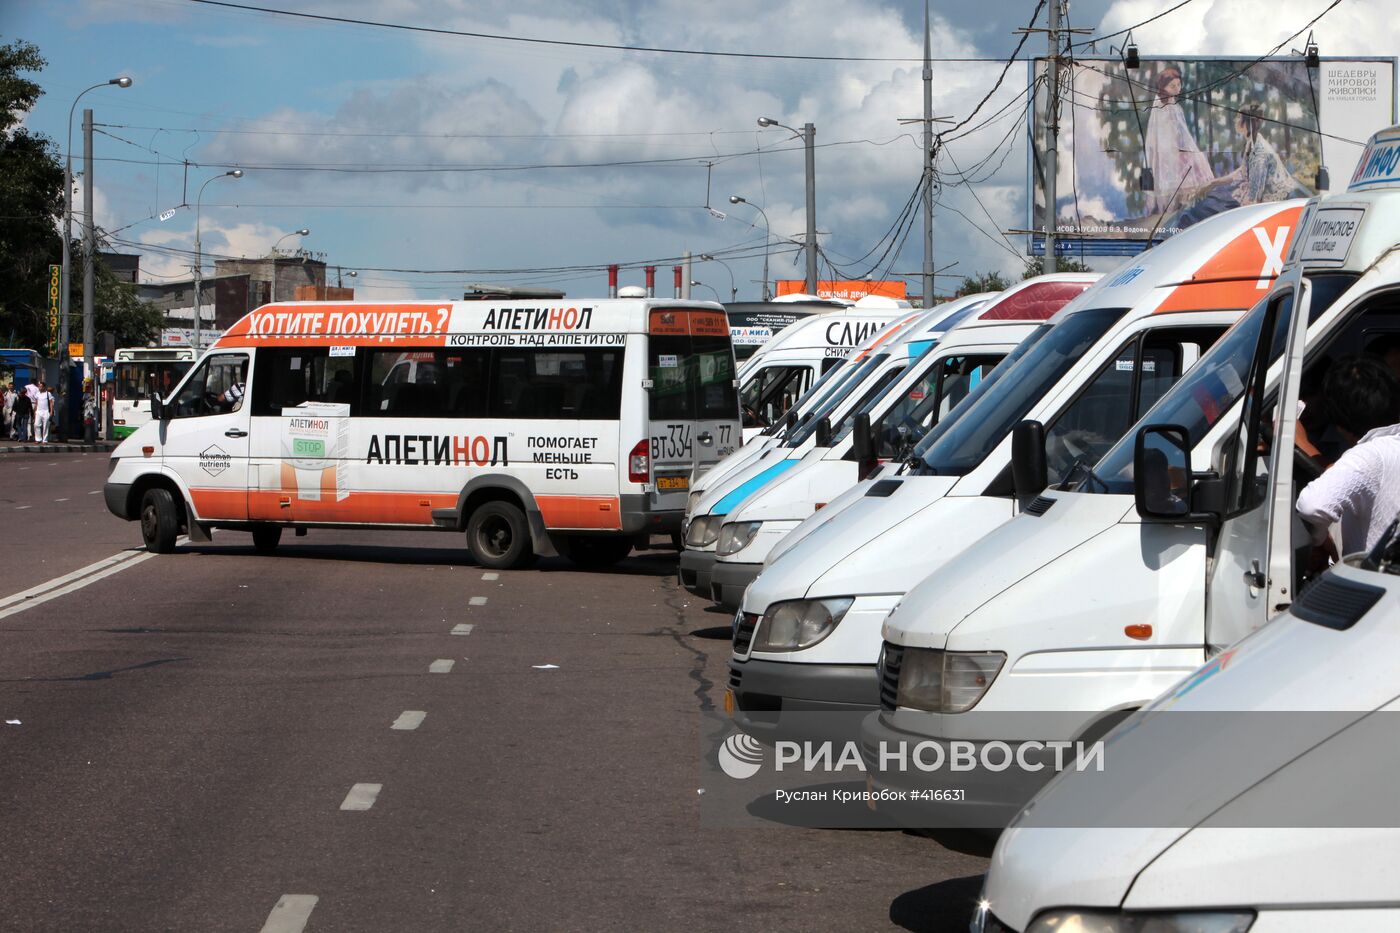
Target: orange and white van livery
x=536, y=428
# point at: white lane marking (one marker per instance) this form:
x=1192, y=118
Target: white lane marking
x=105, y=563
x=490, y=576
x=60, y=500
x=464, y=628
x=361, y=796
x=290, y=913
x=441, y=666
x=21, y=508
x=409, y=720
x=95, y=492
x=74, y=587
x=477, y=601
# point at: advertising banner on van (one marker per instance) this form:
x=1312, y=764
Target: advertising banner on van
x=1146, y=152
x=851, y=290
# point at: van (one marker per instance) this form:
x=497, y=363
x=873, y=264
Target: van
x=884, y=428
x=1099, y=597
x=754, y=324
x=796, y=357
x=1231, y=822
x=1103, y=361
x=535, y=429
x=892, y=350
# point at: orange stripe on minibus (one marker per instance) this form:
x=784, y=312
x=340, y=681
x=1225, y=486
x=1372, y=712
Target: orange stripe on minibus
x=597, y=513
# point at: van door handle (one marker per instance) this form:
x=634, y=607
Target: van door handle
x=707, y=438
x=1255, y=577
x=235, y=432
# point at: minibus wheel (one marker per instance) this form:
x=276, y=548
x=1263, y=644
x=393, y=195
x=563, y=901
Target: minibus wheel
x=499, y=536
x=265, y=538
x=160, y=521
x=593, y=551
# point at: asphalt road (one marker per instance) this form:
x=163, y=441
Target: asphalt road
x=192, y=727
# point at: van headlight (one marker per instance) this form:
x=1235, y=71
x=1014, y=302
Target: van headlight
x=1069, y=920
x=799, y=623
x=735, y=536
x=939, y=681
x=703, y=531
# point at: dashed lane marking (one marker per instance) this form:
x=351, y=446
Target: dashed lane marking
x=477, y=601
x=21, y=508
x=441, y=666
x=464, y=628
x=490, y=576
x=409, y=720
x=61, y=500
x=290, y=913
x=361, y=797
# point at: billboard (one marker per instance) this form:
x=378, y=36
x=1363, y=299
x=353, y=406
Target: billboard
x=1146, y=152
x=850, y=290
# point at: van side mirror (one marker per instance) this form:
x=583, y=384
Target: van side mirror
x=1162, y=472
x=823, y=432
x=157, y=407
x=862, y=445
x=1029, y=473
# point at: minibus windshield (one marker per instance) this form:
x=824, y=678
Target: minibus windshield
x=836, y=397
x=955, y=447
x=843, y=428
x=813, y=396
x=1210, y=388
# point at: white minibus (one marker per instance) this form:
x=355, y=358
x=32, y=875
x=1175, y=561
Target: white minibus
x=1103, y=361
x=1098, y=598
x=535, y=428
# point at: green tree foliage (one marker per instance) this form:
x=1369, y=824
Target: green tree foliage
x=120, y=312
x=1036, y=266
x=982, y=282
x=31, y=187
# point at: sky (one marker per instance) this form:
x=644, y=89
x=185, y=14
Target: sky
x=425, y=162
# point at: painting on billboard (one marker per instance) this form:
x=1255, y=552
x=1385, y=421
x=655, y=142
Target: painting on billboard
x=1146, y=152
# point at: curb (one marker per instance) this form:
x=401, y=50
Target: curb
x=57, y=448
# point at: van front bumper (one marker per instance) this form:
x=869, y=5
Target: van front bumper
x=695, y=571
x=778, y=700
x=728, y=582
x=116, y=495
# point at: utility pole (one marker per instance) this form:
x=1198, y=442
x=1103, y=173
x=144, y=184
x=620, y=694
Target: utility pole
x=1052, y=126
x=928, y=164
x=89, y=256
x=809, y=139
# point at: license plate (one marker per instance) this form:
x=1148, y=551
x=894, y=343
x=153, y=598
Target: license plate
x=673, y=482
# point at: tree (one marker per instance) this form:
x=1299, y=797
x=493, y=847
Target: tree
x=1036, y=266
x=982, y=282
x=31, y=203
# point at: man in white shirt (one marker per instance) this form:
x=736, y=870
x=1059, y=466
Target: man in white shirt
x=1362, y=489
x=43, y=413
x=10, y=410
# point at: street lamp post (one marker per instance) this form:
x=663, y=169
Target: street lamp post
x=808, y=134
x=199, y=250
x=733, y=292
x=302, y=232
x=768, y=236
x=352, y=273
x=695, y=284
x=66, y=277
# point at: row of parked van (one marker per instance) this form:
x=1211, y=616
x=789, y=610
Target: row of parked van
x=1076, y=497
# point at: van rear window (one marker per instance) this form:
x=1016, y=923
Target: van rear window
x=692, y=378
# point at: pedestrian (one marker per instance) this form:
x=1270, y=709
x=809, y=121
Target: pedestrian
x=43, y=413
x=1361, y=491
x=9, y=410
x=23, y=410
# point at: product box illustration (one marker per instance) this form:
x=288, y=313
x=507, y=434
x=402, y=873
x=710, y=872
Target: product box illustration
x=316, y=451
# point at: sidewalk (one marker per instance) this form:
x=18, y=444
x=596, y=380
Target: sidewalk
x=9, y=447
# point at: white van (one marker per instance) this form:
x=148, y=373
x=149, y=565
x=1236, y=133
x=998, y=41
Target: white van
x=892, y=351
x=1095, y=600
x=754, y=324
x=536, y=429
x=797, y=356
x=1104, y=360
x=885, y=427
x=1295, y=832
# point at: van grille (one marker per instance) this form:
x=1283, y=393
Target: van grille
x=890, y=660
x=743, y=633
x=1336, y=603
x=1039, y=505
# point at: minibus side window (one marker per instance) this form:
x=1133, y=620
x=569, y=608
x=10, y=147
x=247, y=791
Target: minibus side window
x=216, y=388
x=571, y=384
x=426, y=383
x=288, y=376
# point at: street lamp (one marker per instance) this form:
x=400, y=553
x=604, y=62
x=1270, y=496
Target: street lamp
x=352, y=273
x=199, y=249
x=736, y=199
x=694, y=284
x=808, y=134
x=302, y=232
x=733, y=292
x=64, y=298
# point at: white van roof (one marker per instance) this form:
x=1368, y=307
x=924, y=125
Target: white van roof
x=836, y=330
x=1032, y=301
